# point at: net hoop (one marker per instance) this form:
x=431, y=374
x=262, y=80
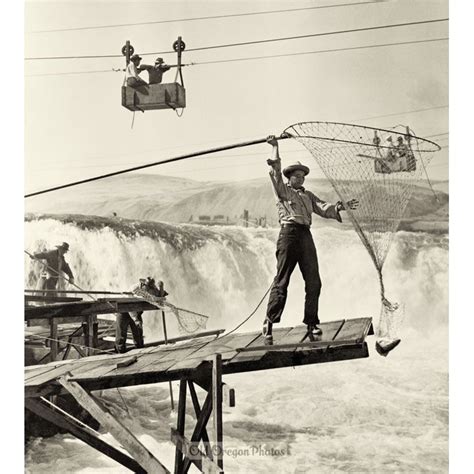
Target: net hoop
x=378, y=169
x=292, y=132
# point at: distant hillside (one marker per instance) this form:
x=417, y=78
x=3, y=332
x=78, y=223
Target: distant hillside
x=161, y=198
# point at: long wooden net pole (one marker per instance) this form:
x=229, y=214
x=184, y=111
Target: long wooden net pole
x=156, y=163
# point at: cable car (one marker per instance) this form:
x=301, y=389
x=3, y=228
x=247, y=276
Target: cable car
x=138, y=95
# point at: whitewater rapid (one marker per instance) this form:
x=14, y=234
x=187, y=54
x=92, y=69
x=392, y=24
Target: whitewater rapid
x=360, y=416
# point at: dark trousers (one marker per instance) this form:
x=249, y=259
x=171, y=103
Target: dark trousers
x=295, y=246
x=47, y=283
x=123, y=320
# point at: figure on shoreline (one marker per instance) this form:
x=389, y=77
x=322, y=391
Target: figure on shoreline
x=295, y=244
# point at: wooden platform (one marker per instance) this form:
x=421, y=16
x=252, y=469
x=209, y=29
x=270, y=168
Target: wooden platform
x=341, y=340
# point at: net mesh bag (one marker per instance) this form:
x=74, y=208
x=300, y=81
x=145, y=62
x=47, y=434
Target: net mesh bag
x=380, y=169
x=189, y=322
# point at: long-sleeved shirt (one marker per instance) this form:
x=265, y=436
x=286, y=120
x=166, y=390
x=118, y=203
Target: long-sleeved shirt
x=295, y=206
x=56, y=262
x=155, y=73
x=132, y=71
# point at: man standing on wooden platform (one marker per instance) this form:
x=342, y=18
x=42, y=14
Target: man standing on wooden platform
x=54, y=268
x=295, y=244
x=145, y=287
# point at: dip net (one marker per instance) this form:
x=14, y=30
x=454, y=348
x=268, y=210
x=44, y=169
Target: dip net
x=188, y=321
x=379, y=168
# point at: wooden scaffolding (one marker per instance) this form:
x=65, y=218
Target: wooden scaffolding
x=196, y=363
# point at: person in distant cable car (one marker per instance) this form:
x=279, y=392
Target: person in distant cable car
x=295, y=244
x=405, y=155
x=155, y=73
x=145, y=287
x=390, y=156
x=132, y=72
x=56, y=265
x=401, y=149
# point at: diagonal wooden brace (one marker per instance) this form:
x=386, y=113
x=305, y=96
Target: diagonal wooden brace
x=88, y=436
x=197, y=409
x=200, y=426
x=125, y=437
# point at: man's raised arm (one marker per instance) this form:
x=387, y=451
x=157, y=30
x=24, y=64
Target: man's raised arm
x=279, y=186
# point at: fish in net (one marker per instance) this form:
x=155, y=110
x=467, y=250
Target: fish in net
x=380, y=168
x=189, y=322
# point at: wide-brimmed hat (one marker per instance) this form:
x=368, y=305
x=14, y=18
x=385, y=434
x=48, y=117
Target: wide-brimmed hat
x=135, y=56
x=294, y=167
x=158, y=60
x=63, y=245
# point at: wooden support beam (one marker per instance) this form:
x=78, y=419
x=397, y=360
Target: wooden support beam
x=197, y=410
x=81, y=308
x=79, y=350
x=126, y=438
x=69, y=341
x=86, y=338
x=85, y=308
x=195, y=455
x=180, y=426
x=67, y=349
x=88, y=436
x=51, y=299
x=200, y=426
x=297, y=345
x=53, y=335
x=95, y=333
x=217, y=409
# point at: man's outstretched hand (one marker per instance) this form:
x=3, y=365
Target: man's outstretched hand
x=352, y=204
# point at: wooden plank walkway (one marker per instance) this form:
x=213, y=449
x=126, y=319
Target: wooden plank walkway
x=86, y=308
x=192, y=358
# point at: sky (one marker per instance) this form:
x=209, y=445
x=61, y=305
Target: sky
x=70, y=127
x=76, y=127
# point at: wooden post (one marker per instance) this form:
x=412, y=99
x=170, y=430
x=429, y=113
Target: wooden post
x=85, y=330
x=95, y=334
x=217, y=409
x=127, y=439
x=180, y=425
x=165, y=335
x=53, y=335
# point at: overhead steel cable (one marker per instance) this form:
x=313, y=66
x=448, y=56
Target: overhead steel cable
x=403, y=113
x=212, y=17
x=352, y=48
x=398, y=43
x=407, y=112
x=247, y=43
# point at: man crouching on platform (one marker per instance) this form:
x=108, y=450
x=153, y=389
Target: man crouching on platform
x=295, y=244
x=146, y=287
